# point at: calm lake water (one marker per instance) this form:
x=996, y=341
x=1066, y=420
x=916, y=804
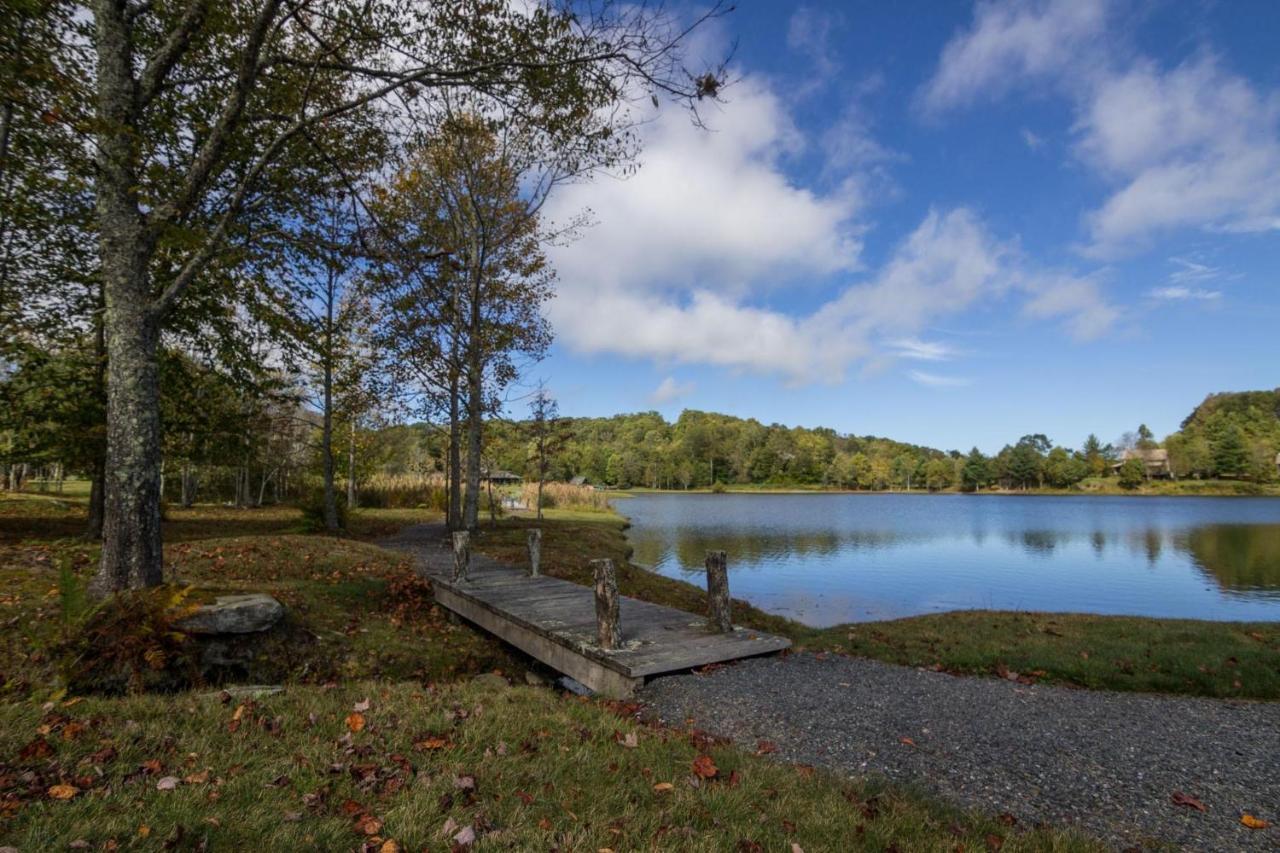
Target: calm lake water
x=824, y=559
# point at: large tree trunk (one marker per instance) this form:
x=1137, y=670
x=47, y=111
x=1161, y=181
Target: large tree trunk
x=131, y=548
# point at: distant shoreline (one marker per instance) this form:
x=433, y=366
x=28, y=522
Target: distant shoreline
x=1163, y=489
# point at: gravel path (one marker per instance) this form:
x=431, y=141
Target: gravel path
x=1107, y=763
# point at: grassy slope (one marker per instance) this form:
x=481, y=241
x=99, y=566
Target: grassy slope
x=548, y=770
x=1227, y=659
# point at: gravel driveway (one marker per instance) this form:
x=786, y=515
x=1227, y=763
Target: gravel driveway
x=1107, y=763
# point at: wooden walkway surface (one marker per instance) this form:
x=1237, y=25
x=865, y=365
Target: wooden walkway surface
x=554, y=621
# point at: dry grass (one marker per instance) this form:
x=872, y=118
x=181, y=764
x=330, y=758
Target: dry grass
x=565, y=496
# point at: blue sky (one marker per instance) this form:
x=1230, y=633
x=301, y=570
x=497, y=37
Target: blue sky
x=949, y=224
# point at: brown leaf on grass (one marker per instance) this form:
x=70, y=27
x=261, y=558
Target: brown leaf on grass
x=524, y=797
x=103, y=756
x=746, y=845
x=152, y=766
x=464, y=783
x=663, y=788
x=734, y=778
x=1254, y=822
x=63, y=792
x=1188, y=801
x=368, y=824
x=168, y=783
x=197, y=778
x=544, y=824
x=906, y=741
x=704, y=767
x=994, y=842
x=430, y=743
x=631, y=740
x=355, y=721
x=37, y=748
x=361, y=706
x=766, y=747
x=351, y=808
x=1007, y=819
x=73, y=730
x=389, y=846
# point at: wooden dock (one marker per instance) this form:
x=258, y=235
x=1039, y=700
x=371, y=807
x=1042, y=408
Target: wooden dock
x=555, y=621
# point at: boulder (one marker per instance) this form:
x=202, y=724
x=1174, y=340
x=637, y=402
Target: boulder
x=234, y=614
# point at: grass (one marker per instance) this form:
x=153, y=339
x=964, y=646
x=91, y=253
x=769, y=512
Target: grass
x=1199, y=658
x=522, y=768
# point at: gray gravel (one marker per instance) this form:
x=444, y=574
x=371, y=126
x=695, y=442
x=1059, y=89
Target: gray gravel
x=1105, y=763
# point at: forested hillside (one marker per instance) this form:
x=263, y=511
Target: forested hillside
x=1233, y=434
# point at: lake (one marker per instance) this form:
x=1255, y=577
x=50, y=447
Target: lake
x=824, y=559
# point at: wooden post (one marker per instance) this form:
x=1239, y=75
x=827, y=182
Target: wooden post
x=461, y=554
x=718, y=592
x=608, y=629
x=535, y=550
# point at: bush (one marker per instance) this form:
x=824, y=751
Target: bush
x=313, y=512
x=717, y=488
x=128, y=644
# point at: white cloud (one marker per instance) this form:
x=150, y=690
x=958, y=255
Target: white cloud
x=1193, y=271
x=669, y=389
x=1192, y=146
x=933, y=380
x=1196, y=146
x=917, y=350
x=809, y=33
x=1079, y=302
x=690, y=260
x=1008, y=43
x=1034, y=141
x=1179, y=293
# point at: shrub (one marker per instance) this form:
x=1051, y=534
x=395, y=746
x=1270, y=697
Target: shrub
x=313, y=512
x=717, y=488
x=128, y=644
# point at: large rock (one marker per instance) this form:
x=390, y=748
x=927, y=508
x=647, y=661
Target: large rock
x=234, y=614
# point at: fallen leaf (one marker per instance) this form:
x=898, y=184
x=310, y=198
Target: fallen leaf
x=197, y=778
x=766, y=747
x=663, y=787
x=704, y=767
x=144, y=831
x=63, y=792
x=355, y=721
x=524, y=797
x=544, y=824
x=361, y=707
x=168, y=783
x=796, y=848
x=389, y=846
x=431, y=743
x=1181, y=799
x=369, y=825
x=631, y=740
x=465, y=837
x=465, y=783
x=1254, y=822
x=994, y=842
x=906, y=741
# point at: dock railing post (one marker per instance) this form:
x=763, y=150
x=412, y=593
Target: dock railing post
x=608, y=629
x=535, y=550
x=461, y=554
x=718, y=606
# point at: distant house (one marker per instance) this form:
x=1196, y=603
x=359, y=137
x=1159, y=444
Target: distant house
x=499, y=477
x=581, y=480
x=1155, y=458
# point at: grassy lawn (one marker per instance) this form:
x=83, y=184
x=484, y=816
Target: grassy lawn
x=521, y=768
x=1200, y=658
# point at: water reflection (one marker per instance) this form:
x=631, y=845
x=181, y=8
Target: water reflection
x=835, y=558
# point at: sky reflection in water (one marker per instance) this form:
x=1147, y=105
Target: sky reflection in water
x=825, y=559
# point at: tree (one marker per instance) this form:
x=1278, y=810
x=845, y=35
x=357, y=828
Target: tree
x=976, y=473
x=1096, y=457
x=1146, y=439
x=937, y=474
x=1230, y=456
x=544, y=413
x=1133, y=473
x=209, y=116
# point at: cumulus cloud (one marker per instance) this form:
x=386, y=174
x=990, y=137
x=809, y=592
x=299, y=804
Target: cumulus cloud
x=669, y=389
x=1191, y=146
x=695, y=258
x=1008, y=44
